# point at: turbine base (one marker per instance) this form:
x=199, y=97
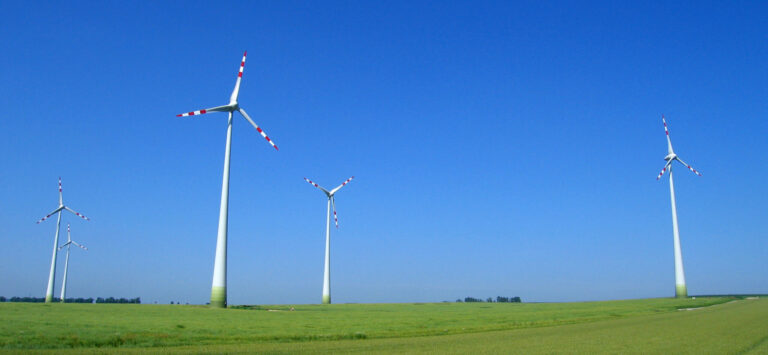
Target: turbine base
x=326, y=299
x=681, y=291
x=219, y=297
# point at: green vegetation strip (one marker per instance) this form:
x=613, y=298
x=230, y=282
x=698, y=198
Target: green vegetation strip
x=111, y=326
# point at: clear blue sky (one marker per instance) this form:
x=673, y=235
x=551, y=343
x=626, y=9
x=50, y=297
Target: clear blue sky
x=498, y=148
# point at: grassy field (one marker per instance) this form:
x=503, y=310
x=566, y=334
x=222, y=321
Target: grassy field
x=653, y=325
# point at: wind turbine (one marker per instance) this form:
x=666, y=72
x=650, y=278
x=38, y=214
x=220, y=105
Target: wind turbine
x=52, y=275
x=66, y=262
x=331, y=204
x=680, y=289
x=219, y=288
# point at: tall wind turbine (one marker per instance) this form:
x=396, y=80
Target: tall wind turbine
x=219, y=288
x=66, y=262
x=52, y=275
x=331, y=204
x=680, y=290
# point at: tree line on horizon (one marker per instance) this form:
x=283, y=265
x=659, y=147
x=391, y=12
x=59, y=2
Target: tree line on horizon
x=136, y=300
x=499, y=299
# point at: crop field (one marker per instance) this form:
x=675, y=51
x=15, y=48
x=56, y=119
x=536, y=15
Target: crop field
x=702, y=325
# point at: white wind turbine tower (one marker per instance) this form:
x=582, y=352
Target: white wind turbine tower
x=66, y=262
x=331, y=204
x=219, y=288
x=680, y=289
x=52, y=275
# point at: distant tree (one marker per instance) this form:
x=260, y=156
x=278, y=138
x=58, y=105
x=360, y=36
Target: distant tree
x=25, y=299
x=2, y=299
x=499, y=299
x=171, y=302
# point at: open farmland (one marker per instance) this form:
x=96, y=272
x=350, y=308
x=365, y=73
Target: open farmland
x=611, y=326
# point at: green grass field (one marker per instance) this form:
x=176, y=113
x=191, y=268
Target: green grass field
x=634, y=326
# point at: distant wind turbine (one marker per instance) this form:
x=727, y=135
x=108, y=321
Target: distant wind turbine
x=331, y=204
x=219, y=288
x=52, y=275
x=66, y=262
x=680, y=289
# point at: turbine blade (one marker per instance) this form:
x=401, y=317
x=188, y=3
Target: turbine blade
x=69, y=238
x=236, y=91
x=666, y=130
x=77, y=213
x=225, y=108
x=335, y=218
x=65, y=244
x=664, y=170
x=61, y=199
x=317, y=186
x=50, y=214
x=342, y=185
x=82, y=247
x=263, y=134
x=688, y=166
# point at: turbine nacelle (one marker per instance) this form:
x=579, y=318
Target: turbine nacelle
x=232, y=107
x=670, y=156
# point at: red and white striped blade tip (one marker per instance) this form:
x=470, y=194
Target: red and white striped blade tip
x=44, y=218
x=693, y=170
x=242, y=65
x=77, y=214
x=311, y=182
x=193, y=113
x=264, y=134
x=335, y=218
